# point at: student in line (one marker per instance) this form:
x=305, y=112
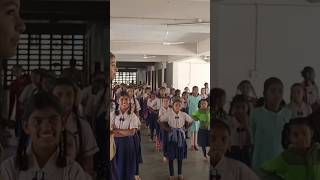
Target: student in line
x=162, y=112
x=67, y=93
x=45, y=157
x=125, y=125
x=153, y=109
x=300, y=159
x=241, y=146
x=222, y=167
x=298, y=107
x=266, y=123
x=193, y=102
x=173, y=122
x=203, y=116
x=311, y=90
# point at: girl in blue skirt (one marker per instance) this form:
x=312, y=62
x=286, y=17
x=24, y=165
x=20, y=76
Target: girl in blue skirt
x=125, y=125
x=163, y=111
x=176, y=145
x=153, y=108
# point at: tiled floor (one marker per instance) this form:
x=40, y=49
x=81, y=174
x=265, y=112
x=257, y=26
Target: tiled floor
x=153, y=168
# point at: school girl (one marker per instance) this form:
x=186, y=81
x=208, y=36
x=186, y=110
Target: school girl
x=203, y=116
x=300, y=160
x=193, y=102
x=135, y=108
x=176, y=147
x=222, y=167
x=297, y=106
x=125, y=125
x=160, y=131
x=153, y=109
x=203, y=94
x=217, y=102
x=45, y=157
x=67, y=93
x=241, y=146
x=266, y=123
x=246, y=89
x=162, y=112
x=311, y=90
x=145, y=110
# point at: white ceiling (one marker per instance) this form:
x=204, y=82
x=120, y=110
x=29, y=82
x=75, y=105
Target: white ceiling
x=139, y=27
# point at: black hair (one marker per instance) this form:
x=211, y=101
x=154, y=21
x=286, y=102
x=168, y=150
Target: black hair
x=134, y=100
x=296, y=85
x=67, y=82
x=247, y=82
x=270, y=81
x=216, y=94
x=199, y=103
x=122, y=94
x=306, y=70
x=39, y=101
x=286, y=129
x=175, y=100
x=239, y=99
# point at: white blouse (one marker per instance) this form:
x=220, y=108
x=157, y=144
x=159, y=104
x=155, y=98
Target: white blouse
x=176, y=120
x=50, y=171
x=229, y=169
x=154, y=104
x=125, y=121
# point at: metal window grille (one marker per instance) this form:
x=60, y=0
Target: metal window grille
x=126, y=77
x=47, y=51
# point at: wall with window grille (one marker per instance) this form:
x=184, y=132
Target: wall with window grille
x=126, y=77
x=47, y=51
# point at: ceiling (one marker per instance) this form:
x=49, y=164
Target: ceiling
x=65, y=10
x=140, y=30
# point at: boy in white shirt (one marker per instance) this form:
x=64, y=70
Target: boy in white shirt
x=221, y=167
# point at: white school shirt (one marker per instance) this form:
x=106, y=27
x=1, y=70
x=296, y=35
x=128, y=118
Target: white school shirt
x=176, y=120
x=89, y=144
x=125, y=121
x=154, y=104
x=163, y=112
x=238, y=138
x=302, y=111
x=230, y=169
x=134, y=100
x=50, y=171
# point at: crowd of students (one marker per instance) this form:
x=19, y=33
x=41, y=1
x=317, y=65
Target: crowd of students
x=266, y=138
x=166, y=114
x=62, y=128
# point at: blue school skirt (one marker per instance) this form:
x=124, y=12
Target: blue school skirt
x=152, y=119
x=137, y=143
x=126, y=157
x=203, y=137
x=176, y=145
x=113, y=170
x=164, y=142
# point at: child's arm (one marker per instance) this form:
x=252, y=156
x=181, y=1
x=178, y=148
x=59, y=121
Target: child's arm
x=124, y=132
